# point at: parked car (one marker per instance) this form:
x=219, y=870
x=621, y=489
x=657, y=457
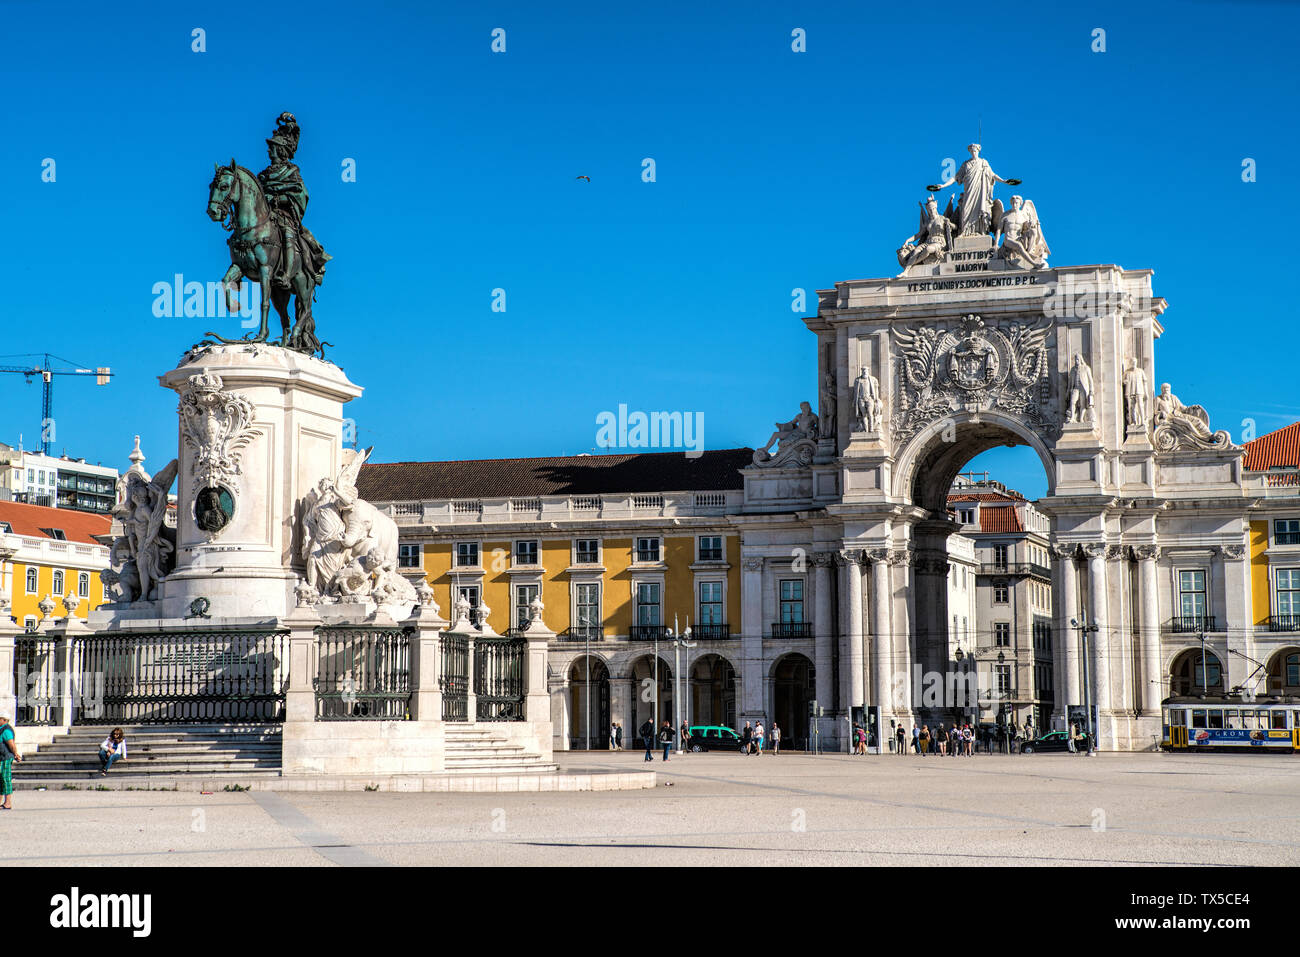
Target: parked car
x=1055, y=741
x=709, y=737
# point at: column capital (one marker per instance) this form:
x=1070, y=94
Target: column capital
x=1146, y=553
x=823, y=559
x=1232, y=552
x=1065, y=550
x=1094, y=550
x=753, y=564
x=900, y=556
x=1116, y=553
x=877, y=555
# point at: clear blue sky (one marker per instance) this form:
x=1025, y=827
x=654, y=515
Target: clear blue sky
x=775, y=170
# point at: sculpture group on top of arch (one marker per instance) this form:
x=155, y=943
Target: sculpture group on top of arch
x=1017, y=232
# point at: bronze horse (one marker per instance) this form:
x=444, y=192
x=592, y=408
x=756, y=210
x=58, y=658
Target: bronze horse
x=256, y=250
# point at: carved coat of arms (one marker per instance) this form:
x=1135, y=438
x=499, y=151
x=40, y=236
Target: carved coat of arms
x=217, y=427
x=971, y=367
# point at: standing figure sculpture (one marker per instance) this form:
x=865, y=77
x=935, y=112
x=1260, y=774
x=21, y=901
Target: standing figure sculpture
x=931, y=240
x=828, y=404
x=268, y=243
x=1079, y=404
x=975, y=208
x=142, y=555
x=866, y=401
x=1135, y=396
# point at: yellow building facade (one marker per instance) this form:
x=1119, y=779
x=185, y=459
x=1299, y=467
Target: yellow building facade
x=51, y=553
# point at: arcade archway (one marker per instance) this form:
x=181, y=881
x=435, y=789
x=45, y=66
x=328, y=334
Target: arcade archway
x=712, y=698
x=589, y=715
x=1187, y=676
x=794, y=685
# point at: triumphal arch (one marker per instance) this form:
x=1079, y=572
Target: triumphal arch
x=980, y=341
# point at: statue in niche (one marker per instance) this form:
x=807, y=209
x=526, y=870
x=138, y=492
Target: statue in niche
x=1136, y=391
x=866, y=401
x=1079, y=404
x=828, y=404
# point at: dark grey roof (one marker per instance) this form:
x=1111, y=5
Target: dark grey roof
x=556, y=475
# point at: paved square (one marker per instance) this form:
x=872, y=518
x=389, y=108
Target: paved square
x=716, y=809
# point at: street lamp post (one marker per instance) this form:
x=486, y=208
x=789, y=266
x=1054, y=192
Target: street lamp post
x=1084, y=630
x=684, y=639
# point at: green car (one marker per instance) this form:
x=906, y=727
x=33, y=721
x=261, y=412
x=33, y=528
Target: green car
x=710, y=737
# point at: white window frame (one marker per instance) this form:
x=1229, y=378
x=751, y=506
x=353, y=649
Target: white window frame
x=83, y=585
x=514, y=553
x=577, y=586
x=523, y=609
x=636, y=600
x=455, y=553
x=600, y=549
x=722, y=548
x=27, y=577
x=57, y=580
x=721, y=602
x=636, y=549
x=1205, y=590
x=419, y=554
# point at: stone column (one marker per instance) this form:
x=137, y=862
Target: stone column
x=1238, y=622
x=1121, y=643
x=8, y=690
x=426, y=663
x=881, y=672
x=751, y=597
x=904, y=646
x=852, y=574
x=1153, y=678
x=300, y=694
x=1100, y=617
x=471, y=693
x=1069, y=684
x=823, y=625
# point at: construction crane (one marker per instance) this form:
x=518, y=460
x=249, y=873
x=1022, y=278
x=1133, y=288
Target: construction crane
x=47, y=374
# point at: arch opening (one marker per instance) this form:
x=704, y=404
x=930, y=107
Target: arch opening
x=589, y=712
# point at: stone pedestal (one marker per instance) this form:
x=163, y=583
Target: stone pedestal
x=259, y=427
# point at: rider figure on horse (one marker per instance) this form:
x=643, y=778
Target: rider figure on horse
x=286, y=194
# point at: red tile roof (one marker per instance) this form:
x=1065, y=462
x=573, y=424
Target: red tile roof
x=1280, y=448
x=77, y=526
x=558, y=475
x=1000, y=518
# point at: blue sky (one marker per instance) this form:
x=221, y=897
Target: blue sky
x=775, y=170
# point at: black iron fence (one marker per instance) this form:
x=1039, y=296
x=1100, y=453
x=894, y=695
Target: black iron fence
x=453, y=676
x=1284, y=622
x=791, y=629
x=362, y=673
x=500, y=678
x=35, y=679
x=1191, y=624
x=181, y=677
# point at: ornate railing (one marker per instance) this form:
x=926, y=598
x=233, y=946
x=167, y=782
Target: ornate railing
x=362, y=673
x=1191, y=624
x=453, y=676
x=791, y=629
x=34, y=679
x=182, y=677
x=648, y=632
x=711, y=631
x=500, y=678
x=1284, y=622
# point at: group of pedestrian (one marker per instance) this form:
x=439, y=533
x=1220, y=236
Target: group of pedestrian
x=950, y=740
x=616, y=737
x=861, y=740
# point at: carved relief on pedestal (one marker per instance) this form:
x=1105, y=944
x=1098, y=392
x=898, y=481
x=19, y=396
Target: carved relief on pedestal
x=970, y=367
x=217, y=427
